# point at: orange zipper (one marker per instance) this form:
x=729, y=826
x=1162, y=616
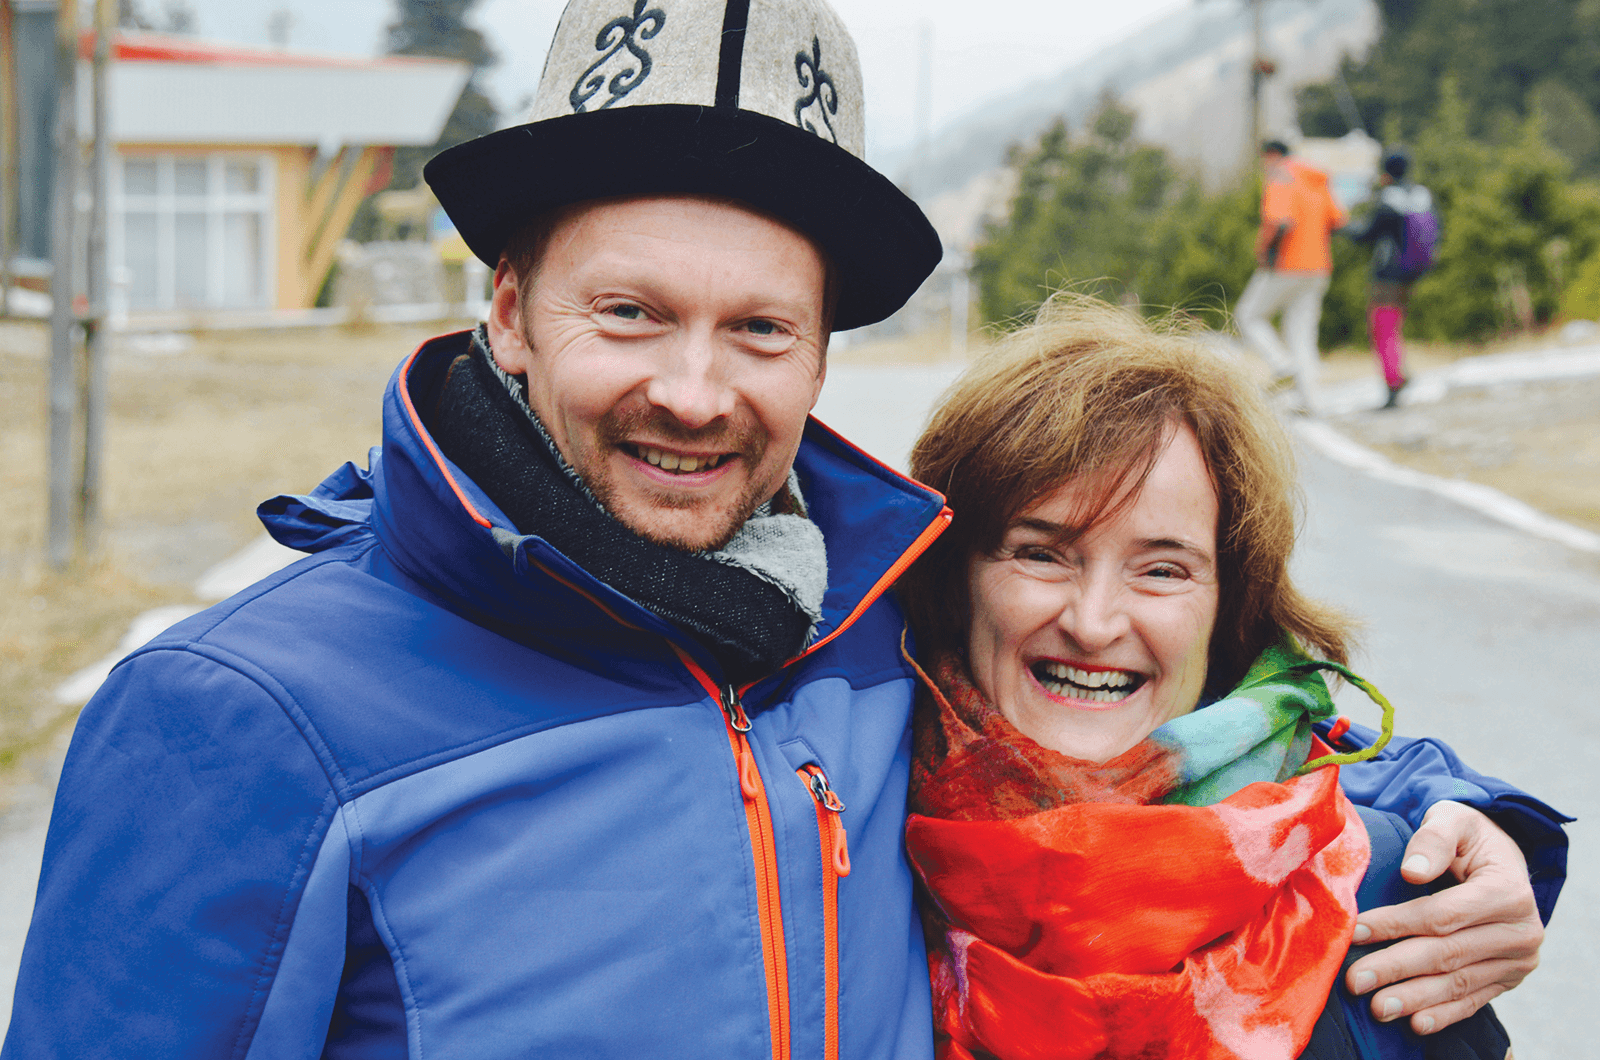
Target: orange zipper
x=835, y=865
x=758, y=818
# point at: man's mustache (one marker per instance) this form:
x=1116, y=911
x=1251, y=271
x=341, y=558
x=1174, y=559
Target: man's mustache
x=620, y=427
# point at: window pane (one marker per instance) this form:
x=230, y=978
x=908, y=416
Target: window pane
x=241, y=177
x=190, y=267
x=142, y=256
x=139, y=176
x=241, y=271
x=189, y=178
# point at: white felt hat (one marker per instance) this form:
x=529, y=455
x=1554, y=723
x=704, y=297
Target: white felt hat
x=755, y=100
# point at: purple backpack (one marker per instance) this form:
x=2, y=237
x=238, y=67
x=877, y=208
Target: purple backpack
x=1420, y=241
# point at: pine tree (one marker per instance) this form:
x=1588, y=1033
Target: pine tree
x=1081, y=216
x=1507, y=56
x=439, y=28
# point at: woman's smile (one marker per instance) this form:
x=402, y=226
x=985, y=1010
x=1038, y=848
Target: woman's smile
x=1091, y=686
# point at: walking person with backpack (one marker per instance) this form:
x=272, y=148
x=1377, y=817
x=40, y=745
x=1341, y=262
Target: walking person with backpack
x=1403, y=231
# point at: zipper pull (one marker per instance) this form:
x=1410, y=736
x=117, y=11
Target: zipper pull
x=739, y=722
x=828, y=799
x=734, y=709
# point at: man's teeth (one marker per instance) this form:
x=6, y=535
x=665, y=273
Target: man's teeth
x=1095, y=686
x=681, y=464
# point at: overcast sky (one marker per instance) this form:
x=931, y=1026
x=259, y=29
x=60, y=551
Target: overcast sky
x=981, y=48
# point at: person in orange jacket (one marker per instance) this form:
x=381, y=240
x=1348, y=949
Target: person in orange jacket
x=1294, y=262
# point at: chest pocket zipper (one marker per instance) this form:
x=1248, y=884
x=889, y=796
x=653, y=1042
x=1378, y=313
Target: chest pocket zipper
x=835, y=866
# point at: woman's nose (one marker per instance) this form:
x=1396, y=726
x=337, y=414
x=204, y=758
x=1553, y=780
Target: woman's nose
x=1096, y=617
x=691, y=383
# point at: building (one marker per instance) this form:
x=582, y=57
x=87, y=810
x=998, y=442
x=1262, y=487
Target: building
x=237, y=170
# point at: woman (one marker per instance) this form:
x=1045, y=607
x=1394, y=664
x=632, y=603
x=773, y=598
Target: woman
x=1108, y=871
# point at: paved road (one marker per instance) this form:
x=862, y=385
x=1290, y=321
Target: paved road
x=1489, y=638
x=1479, y=633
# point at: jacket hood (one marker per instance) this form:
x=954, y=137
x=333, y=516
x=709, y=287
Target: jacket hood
x=1306, y=172
x=444, y=533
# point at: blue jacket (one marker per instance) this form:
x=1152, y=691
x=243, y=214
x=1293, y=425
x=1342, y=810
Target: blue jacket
x=435, y=791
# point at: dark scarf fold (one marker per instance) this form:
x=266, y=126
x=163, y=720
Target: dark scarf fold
x=750, y=625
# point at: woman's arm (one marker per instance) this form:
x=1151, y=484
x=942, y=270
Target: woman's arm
x=1469, y=943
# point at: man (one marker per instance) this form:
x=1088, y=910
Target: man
x=583, y=731
x=1294, y=263
x=1402, y=230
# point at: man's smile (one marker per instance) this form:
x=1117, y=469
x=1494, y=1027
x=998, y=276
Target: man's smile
x=676, y=463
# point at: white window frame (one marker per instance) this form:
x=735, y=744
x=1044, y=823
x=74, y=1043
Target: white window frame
x=216, y=204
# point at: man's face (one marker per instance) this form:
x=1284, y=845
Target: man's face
x=673, y=348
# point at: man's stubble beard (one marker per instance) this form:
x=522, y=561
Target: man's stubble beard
x=748, y=444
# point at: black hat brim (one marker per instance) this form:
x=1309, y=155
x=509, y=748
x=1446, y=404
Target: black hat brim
x=877, y=239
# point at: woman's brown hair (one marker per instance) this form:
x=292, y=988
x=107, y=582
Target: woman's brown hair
x=1090, y=391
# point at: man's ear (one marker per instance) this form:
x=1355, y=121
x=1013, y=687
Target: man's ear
x=506, y=340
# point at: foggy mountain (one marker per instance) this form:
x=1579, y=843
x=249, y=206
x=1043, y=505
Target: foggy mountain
x=1187, y=77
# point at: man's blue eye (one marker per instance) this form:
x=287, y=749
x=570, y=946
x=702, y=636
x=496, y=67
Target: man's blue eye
x=627, y=312
x=762, y=327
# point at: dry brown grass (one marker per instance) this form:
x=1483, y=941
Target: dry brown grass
x=194, y=442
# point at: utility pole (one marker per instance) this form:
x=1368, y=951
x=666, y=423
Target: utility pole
x=1261, y=68
x=97, y=333
x=10, y=144
x=63, y=394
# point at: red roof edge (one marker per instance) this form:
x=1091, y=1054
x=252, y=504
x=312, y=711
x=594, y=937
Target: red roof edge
x=162, y=48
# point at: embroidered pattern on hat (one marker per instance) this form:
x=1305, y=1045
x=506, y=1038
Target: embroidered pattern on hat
x=821, y=92
x=622, y=32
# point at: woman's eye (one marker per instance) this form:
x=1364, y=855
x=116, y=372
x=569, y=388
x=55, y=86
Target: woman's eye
x=1167, y=570
x=1035, y=555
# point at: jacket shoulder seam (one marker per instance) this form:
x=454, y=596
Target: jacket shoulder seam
x=338, y=783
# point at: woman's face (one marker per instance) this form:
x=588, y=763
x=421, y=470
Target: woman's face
x=1088, y=646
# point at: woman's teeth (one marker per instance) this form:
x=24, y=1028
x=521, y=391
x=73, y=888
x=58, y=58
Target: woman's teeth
x=683, y=465
x=1094, y=686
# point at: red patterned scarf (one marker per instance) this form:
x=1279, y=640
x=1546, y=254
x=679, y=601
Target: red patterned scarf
x=1073, y=915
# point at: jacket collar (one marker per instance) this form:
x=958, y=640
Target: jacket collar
x=443, y=532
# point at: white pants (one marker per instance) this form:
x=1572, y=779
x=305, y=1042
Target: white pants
x=1298, y=296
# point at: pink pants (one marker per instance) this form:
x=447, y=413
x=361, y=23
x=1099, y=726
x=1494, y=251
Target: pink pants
x=1384, y=323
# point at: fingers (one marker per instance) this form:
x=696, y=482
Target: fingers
x=1437, y=1018
x=1488, y=896
x=1435, y=1002
x=1456, y=964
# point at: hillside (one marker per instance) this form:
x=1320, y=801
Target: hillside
x=1186, y=77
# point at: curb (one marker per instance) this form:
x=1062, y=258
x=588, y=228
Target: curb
x=1485, y=500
